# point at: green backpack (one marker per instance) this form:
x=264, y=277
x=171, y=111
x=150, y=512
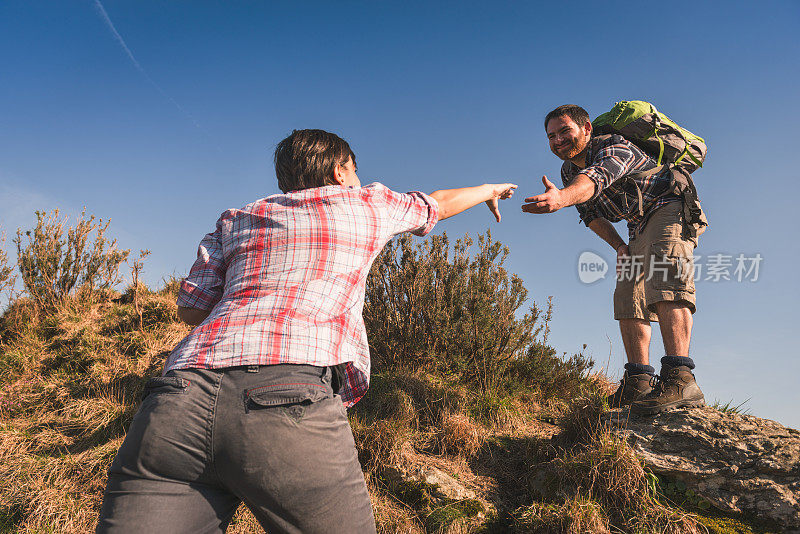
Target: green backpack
x=643, y=125
x=668, y=143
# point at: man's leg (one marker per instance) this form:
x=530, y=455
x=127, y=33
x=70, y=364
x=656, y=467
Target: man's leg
x=675, y=320
x=670, y=293
x=634, y=325
x=636, y=339
x=133, y=505
x=159, y=480
x=677, y=387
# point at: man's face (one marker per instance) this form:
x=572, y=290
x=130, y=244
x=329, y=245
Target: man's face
x=566, y=138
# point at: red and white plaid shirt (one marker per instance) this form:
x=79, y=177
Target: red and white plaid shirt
x=284, y=278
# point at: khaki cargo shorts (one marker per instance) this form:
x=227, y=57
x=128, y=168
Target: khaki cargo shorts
x=661, y=267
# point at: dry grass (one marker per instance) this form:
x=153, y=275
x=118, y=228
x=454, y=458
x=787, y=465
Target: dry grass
x=460, y=435
x=600, y=481
x=244, y=522
x=450, y=436
x=70, y=383
x=380, y=444
x=575, y=516
x=393, y=516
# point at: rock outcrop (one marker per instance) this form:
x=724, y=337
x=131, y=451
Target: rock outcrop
x=739, y=463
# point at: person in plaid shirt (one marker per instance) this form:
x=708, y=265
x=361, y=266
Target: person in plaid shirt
x=609, y=179
x=252, y=403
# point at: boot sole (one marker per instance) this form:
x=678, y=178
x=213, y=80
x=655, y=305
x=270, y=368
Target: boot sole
x=675, y=405
x=625, y=404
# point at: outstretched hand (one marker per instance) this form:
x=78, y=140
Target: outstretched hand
x=499, y=192
x=548, y=202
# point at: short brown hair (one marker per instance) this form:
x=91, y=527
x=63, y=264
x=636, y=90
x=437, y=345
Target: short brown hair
x=576, y=113
x=307, y=159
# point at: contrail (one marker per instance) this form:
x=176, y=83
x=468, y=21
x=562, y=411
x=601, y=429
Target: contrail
x=139, y=67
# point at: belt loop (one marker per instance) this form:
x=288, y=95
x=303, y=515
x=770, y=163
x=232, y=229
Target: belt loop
x=252, y=368
x=338, y=377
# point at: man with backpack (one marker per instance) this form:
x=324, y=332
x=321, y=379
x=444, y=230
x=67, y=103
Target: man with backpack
x=607, y=177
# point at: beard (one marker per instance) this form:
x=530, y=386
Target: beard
x=569, y=150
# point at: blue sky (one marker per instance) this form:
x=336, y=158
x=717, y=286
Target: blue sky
x=430, y=96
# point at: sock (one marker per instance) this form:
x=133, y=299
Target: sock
x=639, y=369
x=675, y=361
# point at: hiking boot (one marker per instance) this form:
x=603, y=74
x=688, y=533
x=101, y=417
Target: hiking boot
x=631, y=388
x=674, y=388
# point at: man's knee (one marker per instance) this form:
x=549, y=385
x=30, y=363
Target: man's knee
x=678, y=306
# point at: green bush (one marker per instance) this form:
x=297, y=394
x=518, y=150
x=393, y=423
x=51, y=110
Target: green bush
x=552, y=376
x=7, y=278
x=439, y=308
x=56, y=261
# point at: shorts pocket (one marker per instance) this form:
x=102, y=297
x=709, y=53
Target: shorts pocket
x=671, y=266
x=165, y=385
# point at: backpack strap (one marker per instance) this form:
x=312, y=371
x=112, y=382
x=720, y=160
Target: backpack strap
x=683, y=186
x=644, y=174
x=597, y=139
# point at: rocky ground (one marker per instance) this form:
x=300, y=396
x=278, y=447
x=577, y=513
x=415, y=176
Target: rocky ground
x=736, y=462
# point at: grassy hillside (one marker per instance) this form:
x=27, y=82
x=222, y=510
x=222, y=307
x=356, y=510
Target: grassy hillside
x=472, y=422
x=71, y=380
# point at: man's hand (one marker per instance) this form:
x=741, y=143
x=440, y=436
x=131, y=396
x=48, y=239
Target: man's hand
x=454, y=201
x=499, y=192
x=548, y=202
x=192, y=316
x=580, y=190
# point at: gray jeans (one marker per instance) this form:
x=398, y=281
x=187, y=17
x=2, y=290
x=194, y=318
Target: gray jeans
x=275, y=437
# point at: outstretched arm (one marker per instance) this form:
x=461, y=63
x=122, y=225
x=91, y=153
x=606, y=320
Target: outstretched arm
x=553, y=199
x=454, y=201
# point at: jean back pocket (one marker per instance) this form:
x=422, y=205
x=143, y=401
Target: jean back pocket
x=169, y=385
x=285, y=394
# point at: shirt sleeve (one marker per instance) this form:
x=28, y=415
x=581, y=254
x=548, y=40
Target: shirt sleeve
x=413, y=212
x=586, y=210
x=203, y=287
x=610, y=163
